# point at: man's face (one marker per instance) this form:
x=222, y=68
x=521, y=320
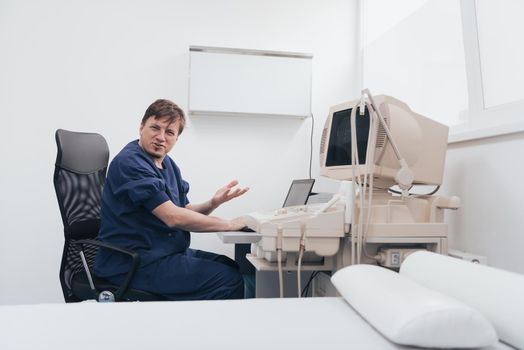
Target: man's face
x=158, y=136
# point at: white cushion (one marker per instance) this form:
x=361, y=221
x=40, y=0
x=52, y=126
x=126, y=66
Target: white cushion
x=497, y=294
x=410, y=314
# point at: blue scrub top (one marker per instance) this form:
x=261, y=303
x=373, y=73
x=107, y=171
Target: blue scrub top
x=133, y=188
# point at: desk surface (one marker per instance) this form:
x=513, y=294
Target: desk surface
x=240, y=237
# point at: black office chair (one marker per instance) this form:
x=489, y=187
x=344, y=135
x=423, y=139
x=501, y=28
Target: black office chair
x=80, y=174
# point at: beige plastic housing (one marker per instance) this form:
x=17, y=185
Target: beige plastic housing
x=422, y=142
x=412, y=216
x=285, y=227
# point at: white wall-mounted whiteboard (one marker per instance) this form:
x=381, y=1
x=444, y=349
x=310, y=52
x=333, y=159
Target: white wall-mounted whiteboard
x=240, y=82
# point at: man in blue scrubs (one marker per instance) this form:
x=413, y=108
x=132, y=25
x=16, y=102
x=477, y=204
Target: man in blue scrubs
x=145, y=208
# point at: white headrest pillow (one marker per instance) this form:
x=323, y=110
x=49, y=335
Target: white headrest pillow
x=410, y=314
x=497, y=294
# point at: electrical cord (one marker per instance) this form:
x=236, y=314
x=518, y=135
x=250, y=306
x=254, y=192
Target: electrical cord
x=417, y=194
x=279, y=261
x=299, y=267
x=311, y=144
x=362, y=182
x=302, y=246
x=301, y=249
x=372, y=142
x=357, y=180
x=354, y=228
x=305, y=291
x=280, y=274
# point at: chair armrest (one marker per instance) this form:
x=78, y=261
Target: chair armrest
x=134, y=263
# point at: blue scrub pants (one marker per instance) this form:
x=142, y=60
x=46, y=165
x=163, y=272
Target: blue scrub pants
x=192, y=275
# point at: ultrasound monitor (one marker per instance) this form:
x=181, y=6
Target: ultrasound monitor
x=422, y=142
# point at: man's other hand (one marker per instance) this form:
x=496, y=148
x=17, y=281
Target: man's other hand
x=227, y=193
x=237, y=224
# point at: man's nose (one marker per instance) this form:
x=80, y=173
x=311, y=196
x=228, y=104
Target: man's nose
x=161, y=136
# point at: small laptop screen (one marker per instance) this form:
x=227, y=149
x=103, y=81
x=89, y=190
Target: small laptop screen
x=298, y=192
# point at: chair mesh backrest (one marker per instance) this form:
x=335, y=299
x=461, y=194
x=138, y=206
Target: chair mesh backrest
x=80, y=196
x=80, y=172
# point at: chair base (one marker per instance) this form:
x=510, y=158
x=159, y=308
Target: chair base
x=81, y=289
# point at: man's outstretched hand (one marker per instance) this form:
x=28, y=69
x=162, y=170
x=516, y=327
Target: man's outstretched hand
x=227, y=193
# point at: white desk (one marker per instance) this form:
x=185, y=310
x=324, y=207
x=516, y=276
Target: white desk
x=238, y=237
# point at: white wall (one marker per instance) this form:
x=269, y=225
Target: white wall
x=96, y=66
x=486, y=174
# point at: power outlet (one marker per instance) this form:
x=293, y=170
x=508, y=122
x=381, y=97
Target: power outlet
x=474, y=258
x=393, y=257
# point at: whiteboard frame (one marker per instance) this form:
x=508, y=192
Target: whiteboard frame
x=238, y=51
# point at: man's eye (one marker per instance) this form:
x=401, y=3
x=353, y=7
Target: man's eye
x=170, y=133
x=154, y=127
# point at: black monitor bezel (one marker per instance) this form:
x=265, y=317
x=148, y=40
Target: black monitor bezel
x=311, y=182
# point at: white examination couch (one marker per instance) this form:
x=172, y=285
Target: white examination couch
x=307, y=323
